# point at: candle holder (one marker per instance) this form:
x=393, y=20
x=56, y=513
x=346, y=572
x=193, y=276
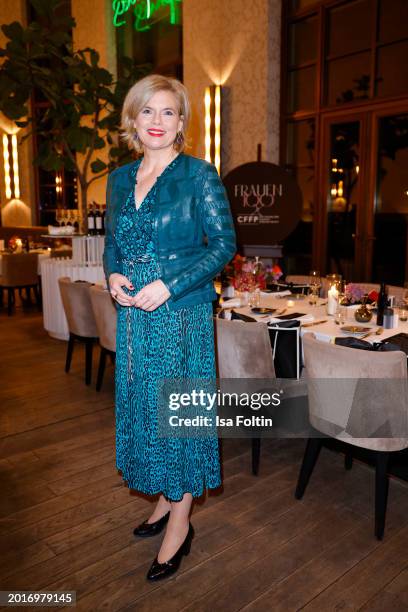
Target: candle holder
x=332, y=300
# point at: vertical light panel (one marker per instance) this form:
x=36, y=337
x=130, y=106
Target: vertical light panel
x=15, y=167
x=212, y=104
x=217, y=124
x=6, y=155
x=207, y=119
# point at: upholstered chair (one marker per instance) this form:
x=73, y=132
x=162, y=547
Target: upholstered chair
x=19, y=271
x=344, y=404
x=78, y=310
x=105, y=317
x=244, y=351
x=397, y=292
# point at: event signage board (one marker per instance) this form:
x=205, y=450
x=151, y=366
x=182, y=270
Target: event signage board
x=145, y=12
x=266, y=202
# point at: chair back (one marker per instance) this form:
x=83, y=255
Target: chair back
x=343, y=408
x=397, y=292
x=77, y=305
x=19, y=269
x=105, y=316
x=300, y=279
x=243, y=351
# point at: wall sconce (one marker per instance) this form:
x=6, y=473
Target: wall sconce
x=11, y=172
x=212, y=105
x=58, y=185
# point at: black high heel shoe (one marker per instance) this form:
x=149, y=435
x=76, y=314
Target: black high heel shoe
x=147, y=530
x=158, y=571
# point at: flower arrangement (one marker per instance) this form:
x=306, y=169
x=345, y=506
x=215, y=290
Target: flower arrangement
x=248, y=275
x=354, y=294
x=273, y=274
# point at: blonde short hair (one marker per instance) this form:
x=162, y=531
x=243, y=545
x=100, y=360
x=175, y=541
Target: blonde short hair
x=138, y=96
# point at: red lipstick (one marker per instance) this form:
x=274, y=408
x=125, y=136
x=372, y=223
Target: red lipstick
x=154, y=132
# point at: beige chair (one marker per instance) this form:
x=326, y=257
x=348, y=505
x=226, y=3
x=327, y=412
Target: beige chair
x=78, y=310
x=244, y=351
x=301, y=279
x=301, y=283
x=19, y=271
x=397, y=292
x=105, y=316
x=393, y=290
x=354, y=393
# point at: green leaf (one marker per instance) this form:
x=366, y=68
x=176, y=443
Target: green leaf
x=14, y=31
x=98, y=166
x=99, y=143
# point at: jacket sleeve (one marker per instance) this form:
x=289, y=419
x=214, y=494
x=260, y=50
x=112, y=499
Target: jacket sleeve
x=218, y=227
x=110, y=255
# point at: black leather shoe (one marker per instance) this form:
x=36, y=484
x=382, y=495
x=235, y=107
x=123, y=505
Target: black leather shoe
x=147, y=530
x=158, y=571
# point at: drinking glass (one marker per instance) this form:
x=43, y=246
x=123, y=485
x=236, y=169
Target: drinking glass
x=314, y=294
x=255, y=298
x=340, y=316
x=402, y=311
x=315, y=281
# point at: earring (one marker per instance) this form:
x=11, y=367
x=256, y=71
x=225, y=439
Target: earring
x=136, y=138
x=179, y=138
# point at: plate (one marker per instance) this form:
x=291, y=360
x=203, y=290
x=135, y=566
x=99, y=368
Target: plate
x=260, y=311
x=355, y=329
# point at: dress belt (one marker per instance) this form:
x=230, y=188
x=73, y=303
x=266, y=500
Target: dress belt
x=140, y=259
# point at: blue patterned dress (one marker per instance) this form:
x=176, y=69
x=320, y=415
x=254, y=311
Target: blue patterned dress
x=152, y=346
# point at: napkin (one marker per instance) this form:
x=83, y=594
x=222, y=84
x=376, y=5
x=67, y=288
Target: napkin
x=275, y=293
x=232, y=303
x=306, y=318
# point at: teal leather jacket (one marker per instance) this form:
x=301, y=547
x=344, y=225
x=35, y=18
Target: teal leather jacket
x=193, y=231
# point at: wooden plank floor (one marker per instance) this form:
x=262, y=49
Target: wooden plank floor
x=66, y=518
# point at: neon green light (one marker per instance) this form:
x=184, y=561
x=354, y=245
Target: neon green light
x=144, y=11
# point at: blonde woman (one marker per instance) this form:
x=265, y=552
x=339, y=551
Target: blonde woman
x=168, y=233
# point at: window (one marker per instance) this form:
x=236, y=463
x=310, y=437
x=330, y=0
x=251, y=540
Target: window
x=337, y=54
x=53, y=189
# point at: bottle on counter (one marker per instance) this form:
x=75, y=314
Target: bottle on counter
x=91, y=221
x=98, y=220
x=76, y=222
x=103, y=218
x=382, y=303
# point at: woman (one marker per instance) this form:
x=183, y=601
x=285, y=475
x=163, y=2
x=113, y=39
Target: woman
x=169, y=231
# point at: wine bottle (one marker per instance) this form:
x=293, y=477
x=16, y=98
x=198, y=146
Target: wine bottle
x=98, y=220
x=103, y=218
x=91, y=221
x=382, y=303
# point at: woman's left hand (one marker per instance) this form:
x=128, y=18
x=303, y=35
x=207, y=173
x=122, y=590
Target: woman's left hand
x=151, y=296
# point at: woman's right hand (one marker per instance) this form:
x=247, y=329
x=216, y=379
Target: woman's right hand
x=116, y=282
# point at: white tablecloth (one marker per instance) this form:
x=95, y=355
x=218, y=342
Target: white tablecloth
x=51, y=270
x=324, y=331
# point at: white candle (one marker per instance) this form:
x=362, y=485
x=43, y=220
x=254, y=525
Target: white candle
x=332, y=300
x=290, y=303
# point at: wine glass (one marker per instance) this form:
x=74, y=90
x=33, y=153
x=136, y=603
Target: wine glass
x=315, y=280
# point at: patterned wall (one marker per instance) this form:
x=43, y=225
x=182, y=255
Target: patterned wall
x=235, y=43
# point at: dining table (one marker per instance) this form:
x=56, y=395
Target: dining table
x=314, y=317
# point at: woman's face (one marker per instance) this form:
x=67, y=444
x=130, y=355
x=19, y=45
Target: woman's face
x=159, y=121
